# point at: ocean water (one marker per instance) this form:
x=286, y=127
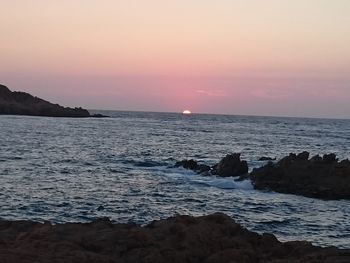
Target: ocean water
x=65, y=170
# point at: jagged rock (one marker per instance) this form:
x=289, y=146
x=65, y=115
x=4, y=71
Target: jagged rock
x=316, y=158
x=318, y=177
x=187, y=164
x=231, y=165
x=329, y=158
x=21, y=103
x=303, y=156
x=193, y=165
x=207, y=239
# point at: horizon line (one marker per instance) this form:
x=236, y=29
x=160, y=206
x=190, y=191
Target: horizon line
x=225, y=114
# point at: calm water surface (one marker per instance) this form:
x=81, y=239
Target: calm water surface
x=66, y=170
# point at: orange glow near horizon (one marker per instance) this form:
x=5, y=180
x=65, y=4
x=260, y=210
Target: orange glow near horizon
x=162, y=37
x=187, y=112
x=254, y=57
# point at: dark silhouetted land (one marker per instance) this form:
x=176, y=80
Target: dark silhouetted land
x=22, y=103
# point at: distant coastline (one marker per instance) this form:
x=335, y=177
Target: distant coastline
x=22, y=103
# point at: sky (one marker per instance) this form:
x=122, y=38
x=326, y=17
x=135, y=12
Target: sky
x=247, y=57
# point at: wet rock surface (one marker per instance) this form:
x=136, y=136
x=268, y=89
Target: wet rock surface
x=230, y=165
x=21, y=103
x=213, y=238
x=194, y=166
x=319, y=177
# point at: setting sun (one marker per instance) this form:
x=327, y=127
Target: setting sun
x=187, y=112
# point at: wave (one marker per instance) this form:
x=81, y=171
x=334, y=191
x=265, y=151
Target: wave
x=213, y=181
x=224, y=183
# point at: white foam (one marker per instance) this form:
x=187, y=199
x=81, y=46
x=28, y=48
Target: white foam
x=214, y=181
x=223, y=183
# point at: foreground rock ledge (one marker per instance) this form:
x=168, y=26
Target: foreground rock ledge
x=213, y=238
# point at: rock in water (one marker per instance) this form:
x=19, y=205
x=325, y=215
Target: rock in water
x=193, y=165
x=207, y=239
x=317, y=177
x=231, y=165
x=21, y=103
x=187, y=164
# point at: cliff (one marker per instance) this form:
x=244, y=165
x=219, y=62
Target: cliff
x=21, y=103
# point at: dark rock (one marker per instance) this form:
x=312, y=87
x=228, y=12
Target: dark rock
x=203, y=168
x=187, y=164
x=318, y=177
x=213, y=238
x=21, y=103
x=303, y=156
x=98, y=115
x=316, y=158
x=330, y=158
x=231, y=165
x=265, y=158
x=193, y=165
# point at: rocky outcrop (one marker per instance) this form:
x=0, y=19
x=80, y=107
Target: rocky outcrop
x=231, y=165
x=319, y=177
x=21, y=103
x=194, y=166
x=213, y=238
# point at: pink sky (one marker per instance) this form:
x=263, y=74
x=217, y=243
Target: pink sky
x=289, y=58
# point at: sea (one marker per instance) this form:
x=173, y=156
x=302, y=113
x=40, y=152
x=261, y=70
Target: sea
x=122, y=167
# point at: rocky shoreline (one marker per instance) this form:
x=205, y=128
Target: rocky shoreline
x=21, y=103
x=212, y=238
x=318, y=177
